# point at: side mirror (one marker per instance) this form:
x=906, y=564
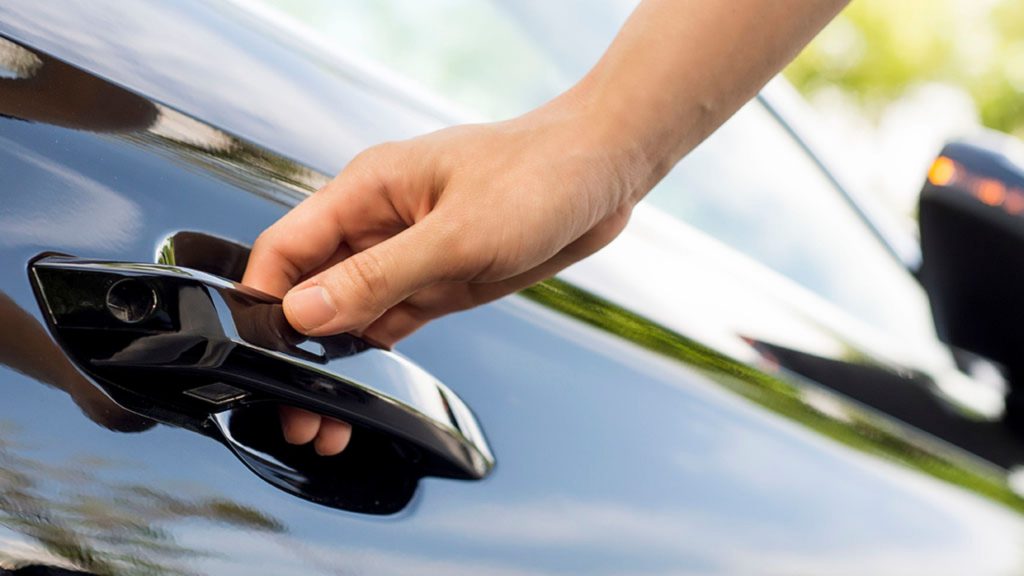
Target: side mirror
x=971, y=215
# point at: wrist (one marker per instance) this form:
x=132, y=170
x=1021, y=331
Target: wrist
x=628, y=132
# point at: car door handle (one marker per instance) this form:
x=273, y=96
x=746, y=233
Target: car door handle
x=185, y=338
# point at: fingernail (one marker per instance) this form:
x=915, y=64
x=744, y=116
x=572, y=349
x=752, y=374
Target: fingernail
x=310, y=307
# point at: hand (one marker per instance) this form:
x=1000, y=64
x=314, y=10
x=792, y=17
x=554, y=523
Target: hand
x=413, y=230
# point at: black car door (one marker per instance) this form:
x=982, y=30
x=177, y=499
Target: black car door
x=620, y=446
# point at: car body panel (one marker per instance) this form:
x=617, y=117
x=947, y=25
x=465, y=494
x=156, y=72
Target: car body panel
x=622, y=446
x=212, y=60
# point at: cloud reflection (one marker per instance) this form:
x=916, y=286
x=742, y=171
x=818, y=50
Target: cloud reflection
x=725, y=545
x=95, y=217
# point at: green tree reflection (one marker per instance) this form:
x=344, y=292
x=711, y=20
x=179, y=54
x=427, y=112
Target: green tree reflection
x=858, y=428
x=101, y=527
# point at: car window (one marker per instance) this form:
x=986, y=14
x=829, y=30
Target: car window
x=751, y=185
x=754, y=187
x=497, y=58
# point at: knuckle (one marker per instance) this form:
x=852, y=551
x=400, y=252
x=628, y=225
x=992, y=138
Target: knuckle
x=376, y=164
x=374, y=156
x=367, y=155
x=264, y=241
x=271, y=264
x=366, y=280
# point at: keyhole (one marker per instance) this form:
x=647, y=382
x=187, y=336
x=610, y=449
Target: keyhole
x=131, y=301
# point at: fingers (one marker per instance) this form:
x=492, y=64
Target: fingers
x=312, y=233
x=299, y=426
x=407, y=317
x=333, y=437
x=356, y=291
x=404, y=319
x=329, y=436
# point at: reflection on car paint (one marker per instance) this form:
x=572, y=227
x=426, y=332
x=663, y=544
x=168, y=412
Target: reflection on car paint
x=74, y=515
x=55, y=93
x=857, y=428
x=614, y=459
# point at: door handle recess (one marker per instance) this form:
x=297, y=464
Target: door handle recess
x=196, y=343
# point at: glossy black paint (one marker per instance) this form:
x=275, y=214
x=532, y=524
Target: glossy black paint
x=216, y=62
x=624, y=447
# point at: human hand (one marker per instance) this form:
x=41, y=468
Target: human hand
x=412, y=230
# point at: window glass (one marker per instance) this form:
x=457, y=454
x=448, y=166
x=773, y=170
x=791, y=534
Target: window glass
x=754, y=187
x=751, y=185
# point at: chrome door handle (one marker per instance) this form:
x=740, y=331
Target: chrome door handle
x=187, y=339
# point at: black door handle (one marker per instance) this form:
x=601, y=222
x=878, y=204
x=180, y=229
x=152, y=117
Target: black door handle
x=199, y=344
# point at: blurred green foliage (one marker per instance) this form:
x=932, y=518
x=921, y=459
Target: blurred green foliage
x=876, y=50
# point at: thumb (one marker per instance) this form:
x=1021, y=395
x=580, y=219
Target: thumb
x=353, y=293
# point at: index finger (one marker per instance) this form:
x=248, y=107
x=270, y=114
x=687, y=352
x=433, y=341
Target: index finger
x=306, y=237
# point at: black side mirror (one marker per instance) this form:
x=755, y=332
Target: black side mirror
x=972, y=242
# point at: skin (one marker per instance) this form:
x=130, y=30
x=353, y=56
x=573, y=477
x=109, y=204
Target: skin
x=412, y=230
x=26, y=347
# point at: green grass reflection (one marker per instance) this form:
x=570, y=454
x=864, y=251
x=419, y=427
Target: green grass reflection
x=858, y=428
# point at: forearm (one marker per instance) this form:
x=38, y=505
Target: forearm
x=679, y=68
